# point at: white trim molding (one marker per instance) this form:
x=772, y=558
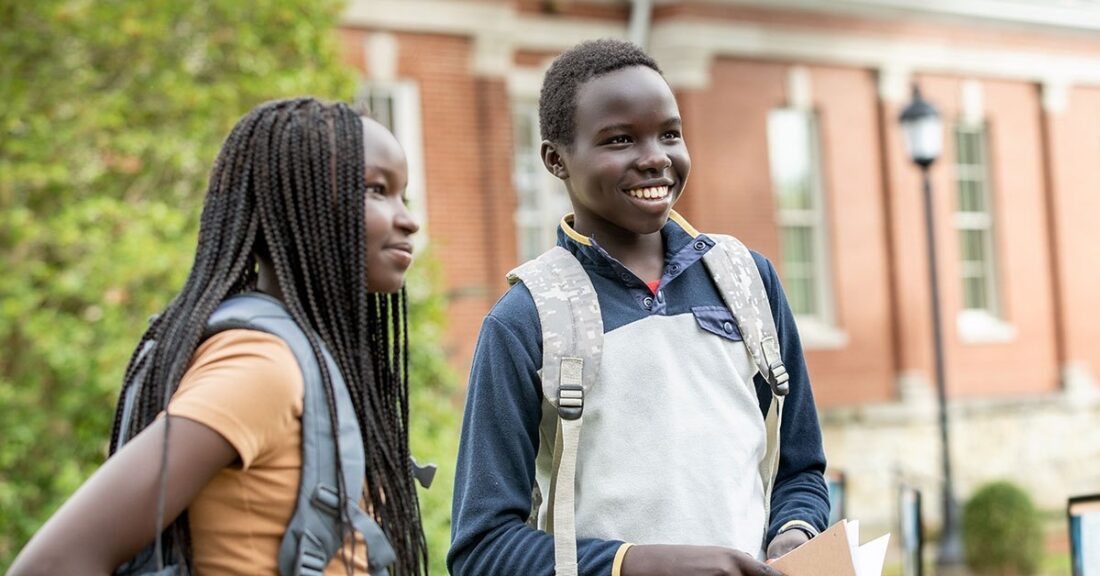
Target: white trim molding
x=686, y=47
x=981, y=327
x=695, y=43
x=497, y=30
x=1063, y=15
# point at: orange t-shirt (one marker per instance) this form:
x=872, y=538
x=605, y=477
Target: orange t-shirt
x=246, y=386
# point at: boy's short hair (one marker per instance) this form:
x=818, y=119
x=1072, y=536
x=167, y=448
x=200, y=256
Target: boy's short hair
x=558, y=98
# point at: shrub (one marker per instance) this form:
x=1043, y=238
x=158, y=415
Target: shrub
x=1002, y=531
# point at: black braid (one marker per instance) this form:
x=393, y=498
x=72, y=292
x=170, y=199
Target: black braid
x=288, y=186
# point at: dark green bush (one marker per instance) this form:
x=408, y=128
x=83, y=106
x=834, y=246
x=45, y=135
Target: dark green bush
x=1002, y=531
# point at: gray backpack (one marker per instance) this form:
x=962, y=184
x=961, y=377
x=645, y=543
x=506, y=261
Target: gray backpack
x=313, y=535
x=572, y=343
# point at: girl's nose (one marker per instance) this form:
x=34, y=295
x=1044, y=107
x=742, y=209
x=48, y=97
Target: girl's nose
x=403, y=218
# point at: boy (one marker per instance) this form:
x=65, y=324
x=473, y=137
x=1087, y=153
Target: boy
x=668, y=470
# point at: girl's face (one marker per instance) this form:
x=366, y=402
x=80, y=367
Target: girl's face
x=390, y=226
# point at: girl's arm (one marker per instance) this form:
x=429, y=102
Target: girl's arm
x=112, y=516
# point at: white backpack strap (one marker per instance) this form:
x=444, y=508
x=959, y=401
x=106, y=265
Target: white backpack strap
x=572, y=341
x=738, y=279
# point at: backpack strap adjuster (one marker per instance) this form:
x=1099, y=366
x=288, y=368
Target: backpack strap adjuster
x=570, y=402
x=571, y=389
x=777, y=375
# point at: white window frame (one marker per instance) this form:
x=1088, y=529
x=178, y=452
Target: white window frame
x=541, y=197
x=404, y=122
x=819, y=328
x=977, y=324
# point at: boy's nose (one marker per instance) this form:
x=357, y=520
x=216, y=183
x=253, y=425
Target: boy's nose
x=653, y=159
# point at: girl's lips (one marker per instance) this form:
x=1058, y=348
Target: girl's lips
x=402, y=254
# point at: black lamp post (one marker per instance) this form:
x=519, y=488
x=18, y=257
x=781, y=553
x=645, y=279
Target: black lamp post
x=923, y=131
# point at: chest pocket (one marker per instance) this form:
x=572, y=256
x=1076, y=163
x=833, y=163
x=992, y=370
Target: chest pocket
x=717, y=320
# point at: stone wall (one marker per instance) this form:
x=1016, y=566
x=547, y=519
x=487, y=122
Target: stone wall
x=1049, y=445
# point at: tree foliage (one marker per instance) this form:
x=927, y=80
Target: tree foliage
x=113, y=112
x=1002, y=531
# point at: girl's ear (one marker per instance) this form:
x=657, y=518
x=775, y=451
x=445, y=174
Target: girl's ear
x=553, y=160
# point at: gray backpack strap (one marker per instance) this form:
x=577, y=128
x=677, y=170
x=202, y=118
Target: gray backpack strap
x=313, y=535
x=734, y=271
x=572, y=341
x=131, y=394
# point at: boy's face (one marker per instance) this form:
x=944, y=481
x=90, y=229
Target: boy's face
x=628, y=163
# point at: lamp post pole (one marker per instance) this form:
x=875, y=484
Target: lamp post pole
x=924, y=139
x=950, y=548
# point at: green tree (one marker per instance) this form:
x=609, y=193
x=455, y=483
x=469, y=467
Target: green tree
x=113, y=112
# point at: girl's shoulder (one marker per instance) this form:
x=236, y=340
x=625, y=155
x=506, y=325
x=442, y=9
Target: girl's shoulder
x=247, y=386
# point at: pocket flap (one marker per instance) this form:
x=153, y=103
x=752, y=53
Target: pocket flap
x=717, y=320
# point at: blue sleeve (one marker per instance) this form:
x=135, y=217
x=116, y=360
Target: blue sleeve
x=496, y=457
x=800, y=492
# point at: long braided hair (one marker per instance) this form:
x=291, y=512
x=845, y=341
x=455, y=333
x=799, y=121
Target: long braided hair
x=288, y=186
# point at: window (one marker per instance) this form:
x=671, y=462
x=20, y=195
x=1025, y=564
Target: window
x=396, y=105
x=974, y=219
x=542, y=197
x=793, y=151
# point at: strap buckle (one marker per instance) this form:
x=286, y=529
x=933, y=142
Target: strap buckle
x=570, y=401
x=777, y=376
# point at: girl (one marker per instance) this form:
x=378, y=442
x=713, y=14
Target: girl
x=305, y=204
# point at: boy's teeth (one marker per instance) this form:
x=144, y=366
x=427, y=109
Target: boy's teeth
x=651, y=193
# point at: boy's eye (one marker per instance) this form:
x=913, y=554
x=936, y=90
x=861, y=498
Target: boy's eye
x=671, y=134
x=621, y=139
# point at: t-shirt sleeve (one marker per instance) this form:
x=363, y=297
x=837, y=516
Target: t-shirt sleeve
x=246, y=386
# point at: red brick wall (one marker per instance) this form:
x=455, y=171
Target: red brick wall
x=731, y=191
x=874, y=212
x=467, y=159
x=1075, y=171
x=1026, y=363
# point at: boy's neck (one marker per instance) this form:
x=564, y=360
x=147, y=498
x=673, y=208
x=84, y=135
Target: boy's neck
x=642, y=254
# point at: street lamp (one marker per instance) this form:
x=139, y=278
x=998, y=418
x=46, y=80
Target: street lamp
x=923, y=131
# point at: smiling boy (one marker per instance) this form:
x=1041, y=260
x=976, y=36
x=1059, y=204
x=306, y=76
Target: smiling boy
x=668, y=470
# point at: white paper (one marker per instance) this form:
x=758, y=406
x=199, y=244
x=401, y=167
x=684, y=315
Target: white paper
x=871, y=556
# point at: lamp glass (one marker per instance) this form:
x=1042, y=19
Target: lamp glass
x=923, y=138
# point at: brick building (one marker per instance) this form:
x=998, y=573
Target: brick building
x=790, y=111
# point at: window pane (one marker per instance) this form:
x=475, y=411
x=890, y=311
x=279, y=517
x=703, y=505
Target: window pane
x=790, y=151
x=800, y=296
x=972, y=243
x=971, y=196
x=381, y=108
x=797, y=245
x=974, y=290
x=974, y=218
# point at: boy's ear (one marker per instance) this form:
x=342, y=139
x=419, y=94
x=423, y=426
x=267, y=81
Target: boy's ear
x=553, y=161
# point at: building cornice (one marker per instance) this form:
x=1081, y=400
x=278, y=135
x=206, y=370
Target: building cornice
x=1078, y=15
x=692, y=45
x=686, y=47
x=497, y=30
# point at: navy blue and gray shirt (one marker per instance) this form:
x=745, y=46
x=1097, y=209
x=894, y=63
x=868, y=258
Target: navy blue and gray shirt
x=673, y=432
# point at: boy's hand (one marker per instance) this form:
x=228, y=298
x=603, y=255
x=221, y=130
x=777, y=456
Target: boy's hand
x=786, y=542
x=663, y=560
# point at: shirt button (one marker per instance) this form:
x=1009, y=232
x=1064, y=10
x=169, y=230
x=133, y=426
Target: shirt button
x=660, y=295
x=647, y=302
x=624, y=276
x=728, y=327
x=673, y=268
x=700, y=245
